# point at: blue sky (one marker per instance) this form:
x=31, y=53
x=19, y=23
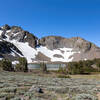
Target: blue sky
x=67, y=18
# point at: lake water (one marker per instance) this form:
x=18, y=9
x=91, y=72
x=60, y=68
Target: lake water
x=49, y=66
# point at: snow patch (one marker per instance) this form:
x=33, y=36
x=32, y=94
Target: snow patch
x=16, y=52
x=0, y=40
x=25, y=37
x=68, y=52
x=14, y=34
x=1, y=32
x=1, y=58
x=15, y=62
x=85, y=59
x=28, y=52
x=13, y=54
x=8, y=31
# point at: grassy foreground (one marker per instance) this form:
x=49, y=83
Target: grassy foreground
x=25, y=86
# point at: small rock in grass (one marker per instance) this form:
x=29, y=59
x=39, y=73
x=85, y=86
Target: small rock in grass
x=36, y=89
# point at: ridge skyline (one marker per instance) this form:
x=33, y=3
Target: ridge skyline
x=68, y=35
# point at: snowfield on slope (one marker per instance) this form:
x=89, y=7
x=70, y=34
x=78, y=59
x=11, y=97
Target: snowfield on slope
x=30, y=53
x=67, y=53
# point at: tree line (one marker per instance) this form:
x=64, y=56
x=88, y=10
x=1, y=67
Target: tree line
x=81, y=67
x=21, y=66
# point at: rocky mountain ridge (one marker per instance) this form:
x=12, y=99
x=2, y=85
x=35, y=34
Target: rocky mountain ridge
x=15, y=42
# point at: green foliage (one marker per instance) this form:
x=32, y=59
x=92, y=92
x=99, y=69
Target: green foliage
x=85, y=97
x=64, y=76
x=6, y=65
x=81, y=67
x=16, y=98
x=62, y=70
x=97, y=63
x=43, y=67
x=22, y=65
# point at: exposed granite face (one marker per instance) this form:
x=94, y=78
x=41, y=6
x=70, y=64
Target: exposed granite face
x=17, y=33
x=58, y=56
x=87, y=49
x=42, y=57
x=53, y=42
x=31, y=39
x=90, y=54
x=77, y=43
x=24, y=36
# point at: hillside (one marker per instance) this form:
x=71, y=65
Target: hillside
x=16, y=42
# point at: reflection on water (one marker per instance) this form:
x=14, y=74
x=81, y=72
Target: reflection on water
x=49, y=66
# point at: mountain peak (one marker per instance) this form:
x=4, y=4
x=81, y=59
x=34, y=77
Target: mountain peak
x=50, y=48
x=6, y=27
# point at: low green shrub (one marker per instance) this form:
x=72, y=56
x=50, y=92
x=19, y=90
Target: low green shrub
x=43, y=67
x=22, y=65
x=85, y=97
x=16, y=98
x=9, y=89
x=6, y=65
x=63, y=76
x=62, y=70
x=81, y=67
